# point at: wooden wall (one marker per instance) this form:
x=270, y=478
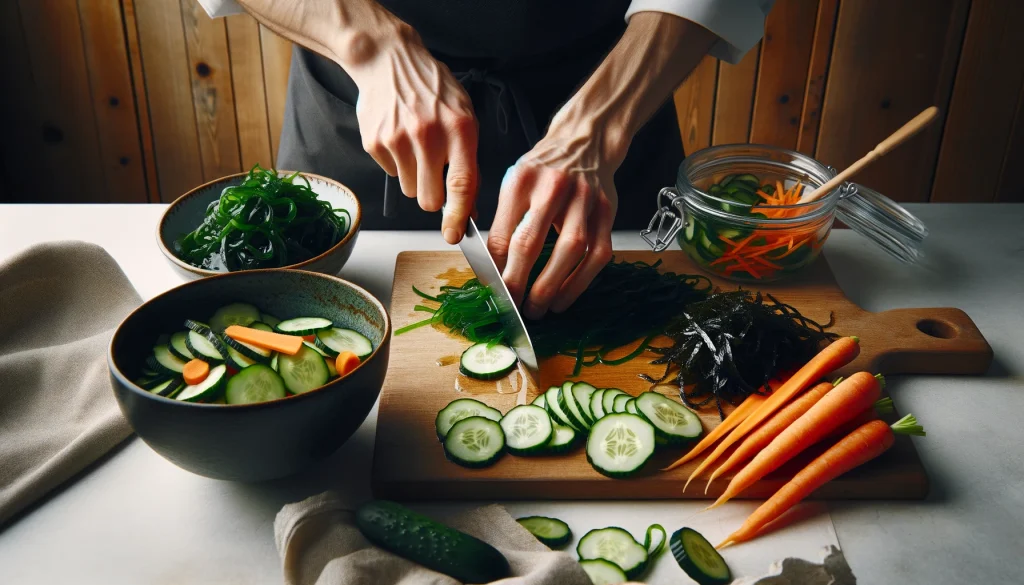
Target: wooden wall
x=139, y=100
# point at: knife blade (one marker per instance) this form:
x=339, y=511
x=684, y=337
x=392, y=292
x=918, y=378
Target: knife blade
x=479, y=258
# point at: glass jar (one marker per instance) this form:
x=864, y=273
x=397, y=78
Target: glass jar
x=737, y=212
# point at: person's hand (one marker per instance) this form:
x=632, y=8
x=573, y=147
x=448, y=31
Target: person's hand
x=414, y=118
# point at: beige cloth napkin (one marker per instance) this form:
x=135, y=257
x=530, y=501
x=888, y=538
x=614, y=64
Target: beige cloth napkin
x=319, y=544
x=59, y=305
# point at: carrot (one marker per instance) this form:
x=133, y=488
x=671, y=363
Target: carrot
x=851, y=397
x=195, y=371
x=346, y=362
x=862, y=445
x=883, y=406
x=735, y=417
x=286, y=344
x=836, y=355
x=771, y=429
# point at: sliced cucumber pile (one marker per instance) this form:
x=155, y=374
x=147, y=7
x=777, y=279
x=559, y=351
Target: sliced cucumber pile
x=461, y=409
x=244, y=372
x=672, y=421
x=698, y=558
x=550, y=531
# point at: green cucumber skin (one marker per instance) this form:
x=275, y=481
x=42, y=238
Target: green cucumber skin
x=548, y=541
x=422, y=540
x=687, y=563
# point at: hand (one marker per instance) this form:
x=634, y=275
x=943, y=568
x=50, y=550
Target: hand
x=414, y=118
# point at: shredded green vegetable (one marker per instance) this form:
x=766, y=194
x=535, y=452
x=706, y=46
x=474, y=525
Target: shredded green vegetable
x=265, y=222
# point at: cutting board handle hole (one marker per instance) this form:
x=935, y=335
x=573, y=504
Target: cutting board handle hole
x=936, y=328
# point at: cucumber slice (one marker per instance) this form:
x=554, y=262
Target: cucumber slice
x=601, y=572
x=550, y=531
x=164, y=388
x=303, y=325
x=672, y=421
x=197, y=326
x=568, y=404
x=474, y=442
x=173, y=394
x=709, y=247
x=582, y=392
x=327, y=357
x=151, y=381
x=527, y=429
x=631, y=407
x=207, y=390
x=238, y=361
x=332, y=367
x=485, y=361
x=768, y=189
x=608, y=400
x=555, y=409
x=620, y=444
x=257, y=354
x=206, y=346
x=726, y=180
x=256, y=383
x=303, y=371
x=620, y=403
x=410, y=535
x=698, y=558
x=261, y=326
x=597, y=404
x=166, y=362
x=337, y=339
x=179, y=347
x=751, y=180
x=273, y=362
x=614, y=545
x=269, y=320
x=563, y=438
x=242, y=314
x=540, y=401
x=460, y=409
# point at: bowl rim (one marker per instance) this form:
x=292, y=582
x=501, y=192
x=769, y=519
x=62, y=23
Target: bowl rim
x=128, y=383
x=203, y=271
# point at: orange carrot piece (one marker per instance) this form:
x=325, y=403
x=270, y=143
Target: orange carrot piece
x=286, y=344
x=346, y=362
x=195, y=371
x=862, y=445
x=744, y=242
x=735, y=417
x=851, y=397
x=771, y=429
x=836, y=355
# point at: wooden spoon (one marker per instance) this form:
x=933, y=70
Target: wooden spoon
x=896, y=138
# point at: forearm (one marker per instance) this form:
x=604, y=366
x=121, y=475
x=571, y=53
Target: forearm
x=654, y=55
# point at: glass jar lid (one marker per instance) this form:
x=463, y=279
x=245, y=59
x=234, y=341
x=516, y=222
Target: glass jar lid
x=883, y=221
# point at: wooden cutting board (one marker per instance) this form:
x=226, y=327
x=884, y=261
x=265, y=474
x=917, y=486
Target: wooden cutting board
x=409, y=463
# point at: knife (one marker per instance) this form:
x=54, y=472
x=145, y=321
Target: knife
x=475, y=250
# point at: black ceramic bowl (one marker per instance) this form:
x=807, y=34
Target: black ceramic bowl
x=251, y=442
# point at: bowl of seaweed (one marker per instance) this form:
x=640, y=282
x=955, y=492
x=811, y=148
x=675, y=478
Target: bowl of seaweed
x=261, y=219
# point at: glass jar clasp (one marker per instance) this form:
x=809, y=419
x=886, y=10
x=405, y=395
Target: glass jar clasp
x=666, y=223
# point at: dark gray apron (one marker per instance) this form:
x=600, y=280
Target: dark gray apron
x=527, y=74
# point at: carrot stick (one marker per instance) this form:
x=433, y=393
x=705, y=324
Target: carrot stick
x=286, y=344
x=346, y=362
x=195, y=371
x=735, y=417
x=851, y=397
x=836, y=355
x=771, y=429
x=862, y=445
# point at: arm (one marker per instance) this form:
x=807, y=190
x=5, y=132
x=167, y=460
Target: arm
x=414, y=117
x=567, y=179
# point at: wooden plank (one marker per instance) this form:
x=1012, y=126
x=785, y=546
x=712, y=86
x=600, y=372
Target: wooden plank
x=817, y=75
x=63, y=101
x=1011, y=178
x=782, y=77
x=169, y=94
x=878, y=82
x=985, y=94
x=131, y=31
x=212, y=93
x=734, y=99
x=21, y=137
x=112, y=100
x=250, y=92
x=277, y=59
x=695, y=102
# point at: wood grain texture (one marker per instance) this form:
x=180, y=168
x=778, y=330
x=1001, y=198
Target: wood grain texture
x=734, y=99
x=1011, y=179
x=21, y=140
x=113, y=101
x=409, y=463
x=165, y=67
x=979, y=123
x=879, y=81
x=277, y=58
x=782, y=77
x=694, y=101
x=212, y=93
x=817, y=76
x=248, y=83
x=131, y=31
x=66, y=139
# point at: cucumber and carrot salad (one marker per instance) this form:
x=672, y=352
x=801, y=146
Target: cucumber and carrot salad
x=244, y=356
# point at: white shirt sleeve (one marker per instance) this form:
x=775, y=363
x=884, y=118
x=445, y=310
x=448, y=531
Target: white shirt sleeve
x=739, y=24
x=219, y=8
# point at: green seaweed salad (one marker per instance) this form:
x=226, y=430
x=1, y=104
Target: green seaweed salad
x=267, y=221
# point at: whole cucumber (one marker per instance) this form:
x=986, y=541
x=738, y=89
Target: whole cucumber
x=413, y=536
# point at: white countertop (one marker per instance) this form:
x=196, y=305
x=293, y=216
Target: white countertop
x=135, y=518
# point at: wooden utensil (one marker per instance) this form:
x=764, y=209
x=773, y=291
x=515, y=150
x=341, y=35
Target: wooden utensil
x=895, y=139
